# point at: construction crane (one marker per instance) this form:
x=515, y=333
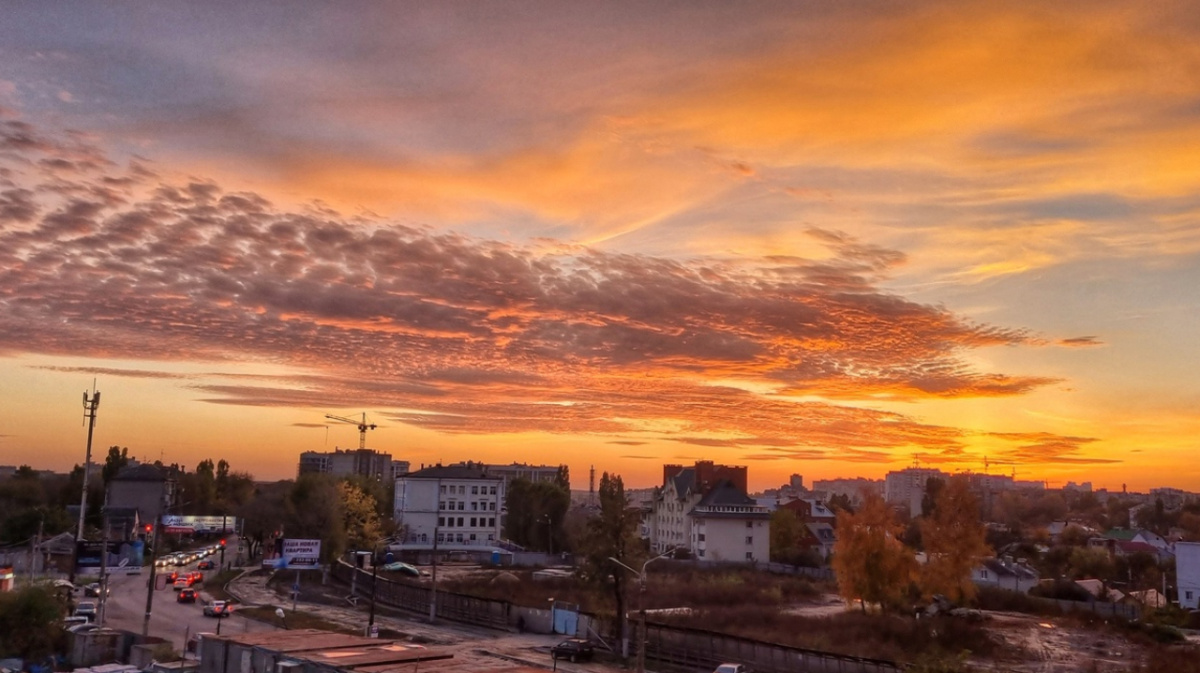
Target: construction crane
x=363, y=426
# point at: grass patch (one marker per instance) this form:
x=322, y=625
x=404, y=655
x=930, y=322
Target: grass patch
x=879, y=636
x=292, y=619
x=214, y=585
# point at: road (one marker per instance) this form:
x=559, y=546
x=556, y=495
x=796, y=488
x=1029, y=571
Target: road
x=126, y=609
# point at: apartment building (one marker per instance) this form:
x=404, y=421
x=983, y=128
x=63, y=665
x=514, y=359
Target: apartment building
x=456, y=506
x=344, y=463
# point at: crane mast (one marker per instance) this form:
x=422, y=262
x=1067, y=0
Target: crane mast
x=363, y=426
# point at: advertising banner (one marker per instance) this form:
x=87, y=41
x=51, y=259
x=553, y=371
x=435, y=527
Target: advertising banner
x=191, y=525
x=299, y=555
x=126, y=554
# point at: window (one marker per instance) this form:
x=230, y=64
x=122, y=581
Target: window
x=441, y=521
x=492, y=506
x=460, y=522
x=441, y=504
x=749, y=539
x=462, y=490
x=442, y=488
x=474, y=522
x=983, y=574
x=1187, y=595
x=749, y=556
x=474, y=507
x=700, y=552
x=462, y=504
x=749, y=524
x=492, y=491
x=474, y=490
x=452, y=504
x=700, y=537
x=441, y=538
x=472, y=537
x=458, y=537
x=491, y=537
x=491, y=522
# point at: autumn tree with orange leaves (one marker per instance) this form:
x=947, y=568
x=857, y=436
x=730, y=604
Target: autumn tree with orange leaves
x=955, y=542
x=869, y=560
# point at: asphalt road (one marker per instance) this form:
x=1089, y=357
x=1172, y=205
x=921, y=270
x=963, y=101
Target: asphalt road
x=126, y=608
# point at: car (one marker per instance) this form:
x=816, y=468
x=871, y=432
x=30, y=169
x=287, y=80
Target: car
x=93, y=589
x=186, y=596
x=68, y=622
x=181, y=584
x=206, y=565
x=181, y=561
x=172, y=576
x=572, y=649
x=218, y=609
x=732, y=668
x=83, y=628
x=86, y=609
x=196, y=577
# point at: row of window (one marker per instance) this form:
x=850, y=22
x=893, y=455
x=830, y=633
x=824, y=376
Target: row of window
x=459, y=537
x=462, y=490
x=700, y=538
x=457, y=522
x=749, y=554
x=461, y=505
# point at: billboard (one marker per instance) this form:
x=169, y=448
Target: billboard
x=296, y=554
x=121, y=554
x=190, y=525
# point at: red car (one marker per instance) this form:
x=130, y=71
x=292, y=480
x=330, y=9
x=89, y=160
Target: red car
x=172, y=576
x=206, y=565
x=186, y=596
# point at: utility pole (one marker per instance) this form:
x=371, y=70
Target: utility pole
x=89, y=413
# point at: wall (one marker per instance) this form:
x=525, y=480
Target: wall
x=725, y=540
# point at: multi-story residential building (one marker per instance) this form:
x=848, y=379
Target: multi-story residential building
x=1187, y=573
x=399, y=468
x=727, y=525
x=698, y=508
x=852, y=488
x=525, y=471
x=456, y=506
x=343, y=463
x=907, y=486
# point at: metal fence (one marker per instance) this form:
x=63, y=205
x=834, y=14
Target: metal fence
x=697, y=648
x=452, y=606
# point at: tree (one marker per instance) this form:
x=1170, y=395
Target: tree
x=117, y=458
x=264, y=514
x=30, y=622
x=613, y=534
x=360, y=517
x=786, y=533
x=870, y=562
x=841, y=502
x=1091, y=563
x=536, y=511
x=314, y=511
x=955, y=542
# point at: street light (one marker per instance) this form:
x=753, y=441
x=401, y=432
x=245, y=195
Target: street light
x=641, y=653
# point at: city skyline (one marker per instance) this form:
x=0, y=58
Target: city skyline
x=799, y=237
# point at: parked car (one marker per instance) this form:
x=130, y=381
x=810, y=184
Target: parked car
x=186, y=596
x=68, y=622
x=573, y=649
x=86, y=609
x=732, y=668
x=218, y=609
x=206, y=565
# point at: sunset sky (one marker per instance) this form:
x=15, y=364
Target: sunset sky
x=807, y=237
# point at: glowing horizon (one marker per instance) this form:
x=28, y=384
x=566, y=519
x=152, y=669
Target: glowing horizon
x=804, y=238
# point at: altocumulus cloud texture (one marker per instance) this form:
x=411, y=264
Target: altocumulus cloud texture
x=108, y=260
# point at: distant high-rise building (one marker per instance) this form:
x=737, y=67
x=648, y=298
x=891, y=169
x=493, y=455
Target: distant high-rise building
x=366, y=462
x=907, y=486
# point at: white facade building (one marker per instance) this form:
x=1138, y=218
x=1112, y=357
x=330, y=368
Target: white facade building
x=727, y=525
x=457, y=507
x=1187, y=572
x=669, y=524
